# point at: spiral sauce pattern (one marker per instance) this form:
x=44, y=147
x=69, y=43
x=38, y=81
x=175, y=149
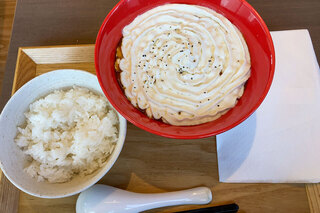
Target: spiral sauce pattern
x=183, y=64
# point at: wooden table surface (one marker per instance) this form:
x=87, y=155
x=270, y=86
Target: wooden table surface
x=45, y=22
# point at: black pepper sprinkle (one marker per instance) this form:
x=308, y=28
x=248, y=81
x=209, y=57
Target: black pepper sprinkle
x=138, y=65
x=181, y=50
x=209, y=60
x=168, y=54
x=208, y=99
x=238, y=61
x=199, y=42
x=194, y=60
x=218, y=105
x=215, y=66
x=179, y=113
x=220, y=73
x=204, y=92
x=144, y=55
x=191, y=45
x=162, y=80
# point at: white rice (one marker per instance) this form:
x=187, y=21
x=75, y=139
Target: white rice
x=68, y=132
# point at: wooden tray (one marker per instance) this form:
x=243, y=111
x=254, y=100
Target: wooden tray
x=150, y=163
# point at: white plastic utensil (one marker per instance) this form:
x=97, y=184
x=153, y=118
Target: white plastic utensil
x=102, y=199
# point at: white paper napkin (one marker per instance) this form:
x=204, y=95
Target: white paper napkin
x=280, y=142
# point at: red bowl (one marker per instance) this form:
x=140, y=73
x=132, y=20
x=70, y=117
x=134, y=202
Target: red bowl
x=240, y=13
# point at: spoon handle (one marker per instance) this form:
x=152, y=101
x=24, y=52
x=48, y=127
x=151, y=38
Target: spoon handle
x=102, y=199
x=199, y=195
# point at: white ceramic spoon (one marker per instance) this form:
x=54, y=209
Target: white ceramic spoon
x=102, y=199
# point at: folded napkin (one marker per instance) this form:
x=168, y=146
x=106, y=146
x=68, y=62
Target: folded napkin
x=280, y=142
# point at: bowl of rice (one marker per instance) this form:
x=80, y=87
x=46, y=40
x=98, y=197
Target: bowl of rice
x=59, y=135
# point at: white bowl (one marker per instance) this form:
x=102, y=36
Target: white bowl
x=13, y=160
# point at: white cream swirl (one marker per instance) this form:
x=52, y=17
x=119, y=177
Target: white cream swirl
x=184, y=64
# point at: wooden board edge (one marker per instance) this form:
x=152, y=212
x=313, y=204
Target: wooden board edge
x=313, y=193
x=61, y=54
x=56, y=46
x=23, y=62
x=44, y=68
x=16, y=72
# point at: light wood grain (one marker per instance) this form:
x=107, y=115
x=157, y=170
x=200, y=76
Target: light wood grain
x=9, y=196
x=313, y=191
x=56, y=55
x=150, y=163
x=25, y=70
x=43, y=68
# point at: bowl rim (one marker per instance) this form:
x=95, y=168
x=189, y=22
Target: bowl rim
x=198, y=136
x=104, y=169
